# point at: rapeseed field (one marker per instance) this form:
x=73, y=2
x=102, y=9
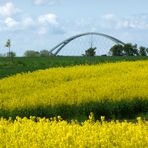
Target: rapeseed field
x=116, y=90
x=57, y=133
x=110, y=89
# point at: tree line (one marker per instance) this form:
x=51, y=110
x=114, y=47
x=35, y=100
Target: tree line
x=116, y=50
x=128, y=50
x=121, y=50
x=29, y=53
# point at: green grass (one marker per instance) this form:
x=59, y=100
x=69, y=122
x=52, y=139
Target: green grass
x=24, y=64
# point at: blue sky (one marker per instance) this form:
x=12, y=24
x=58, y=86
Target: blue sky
x=41, y=24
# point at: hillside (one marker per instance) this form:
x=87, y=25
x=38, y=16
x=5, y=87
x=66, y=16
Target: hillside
x=25, y=64
x=110, y=89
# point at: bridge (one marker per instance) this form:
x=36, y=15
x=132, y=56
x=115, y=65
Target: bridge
x=55, y=50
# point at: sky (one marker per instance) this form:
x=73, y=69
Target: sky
x=41, y=24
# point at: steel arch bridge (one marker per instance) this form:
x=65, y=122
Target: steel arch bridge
x=59, y=46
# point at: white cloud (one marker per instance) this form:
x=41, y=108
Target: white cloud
x=48, y=19
x=41, y=25
x=41, y=2
x=111, y=21
x=8, y=9
x=10, y=22
x=132, y=23
x=109, y=17
x=28, y=22
x=38, y=2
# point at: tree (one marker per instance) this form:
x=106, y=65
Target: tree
x=44, y=53
x=11, y=54
x=116, y=50
x=147, y=51
x=130, y=50
x=31, y=53
x=142, y=51
x=1, y=55
x=8, y=45
x=90, y=51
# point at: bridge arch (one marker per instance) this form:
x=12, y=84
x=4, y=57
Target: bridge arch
x=59, y=46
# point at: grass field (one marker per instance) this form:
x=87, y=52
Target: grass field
x=22, y=64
